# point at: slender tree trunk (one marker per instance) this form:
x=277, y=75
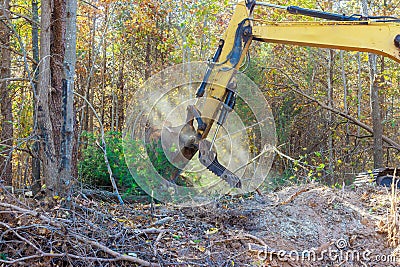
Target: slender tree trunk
x=104, y=68
x=86, y=113
x=376, y=113
x=6, y=116
x=35, y=54
x=359, y=91
x=45, y=130
x=375, y=104
x=112, y=111
x=330, y=104
x=121, y=95
x=68, y=98
x=57, y=49
x=90, y=92
x=345, y=95
x=35, y=41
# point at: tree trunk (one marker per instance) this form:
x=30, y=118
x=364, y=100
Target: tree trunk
x=104, y=67
x=375, y=104
x=57, y=49
x=6, y=116
x=55, y=110
x=68, y=97
x=345, y=95
x=45, y=130
x=376, y=113
x=330, y=104
x=121, y=96
x=359, y=90
x=86, y=113
x=91, y=74
x=35, y=54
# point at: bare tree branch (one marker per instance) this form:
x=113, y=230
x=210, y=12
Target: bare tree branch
x=103, y=147
x=14, y=79
x=18, y=53
x=18, y=15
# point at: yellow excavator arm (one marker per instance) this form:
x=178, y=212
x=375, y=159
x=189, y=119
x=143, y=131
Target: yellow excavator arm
x=374, y=37
x=382, y=38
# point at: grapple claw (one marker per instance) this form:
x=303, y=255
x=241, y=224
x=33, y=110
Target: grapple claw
x=208, y=157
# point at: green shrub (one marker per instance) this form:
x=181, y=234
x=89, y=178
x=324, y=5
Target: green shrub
x=92, y=166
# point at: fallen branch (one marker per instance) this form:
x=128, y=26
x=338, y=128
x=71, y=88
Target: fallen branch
x=259, y=240
x=32, y=213
x=289, y=158
x=117, y=256
x=20, y=237
x=102, y=194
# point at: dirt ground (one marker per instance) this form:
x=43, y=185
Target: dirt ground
x=308, y=225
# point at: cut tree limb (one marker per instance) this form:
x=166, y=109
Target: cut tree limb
x=116, y=255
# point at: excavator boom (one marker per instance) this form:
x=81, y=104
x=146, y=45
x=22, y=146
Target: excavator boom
x=374, y=37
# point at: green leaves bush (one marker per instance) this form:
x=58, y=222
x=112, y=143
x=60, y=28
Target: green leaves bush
x=93, y=169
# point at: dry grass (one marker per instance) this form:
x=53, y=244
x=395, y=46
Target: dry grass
x=392, y=217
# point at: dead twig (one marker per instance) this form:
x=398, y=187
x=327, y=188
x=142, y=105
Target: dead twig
x=259, y=240
x=117, y=256
x=161, y=221
x=32, y=213
x=292, y=197
x=21, y=237
x=160, y=235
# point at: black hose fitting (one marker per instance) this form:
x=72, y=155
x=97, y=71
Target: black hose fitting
x=397, y=41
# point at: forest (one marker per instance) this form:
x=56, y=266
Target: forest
x=73, y=76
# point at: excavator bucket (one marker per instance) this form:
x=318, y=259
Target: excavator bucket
x=178, y=145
